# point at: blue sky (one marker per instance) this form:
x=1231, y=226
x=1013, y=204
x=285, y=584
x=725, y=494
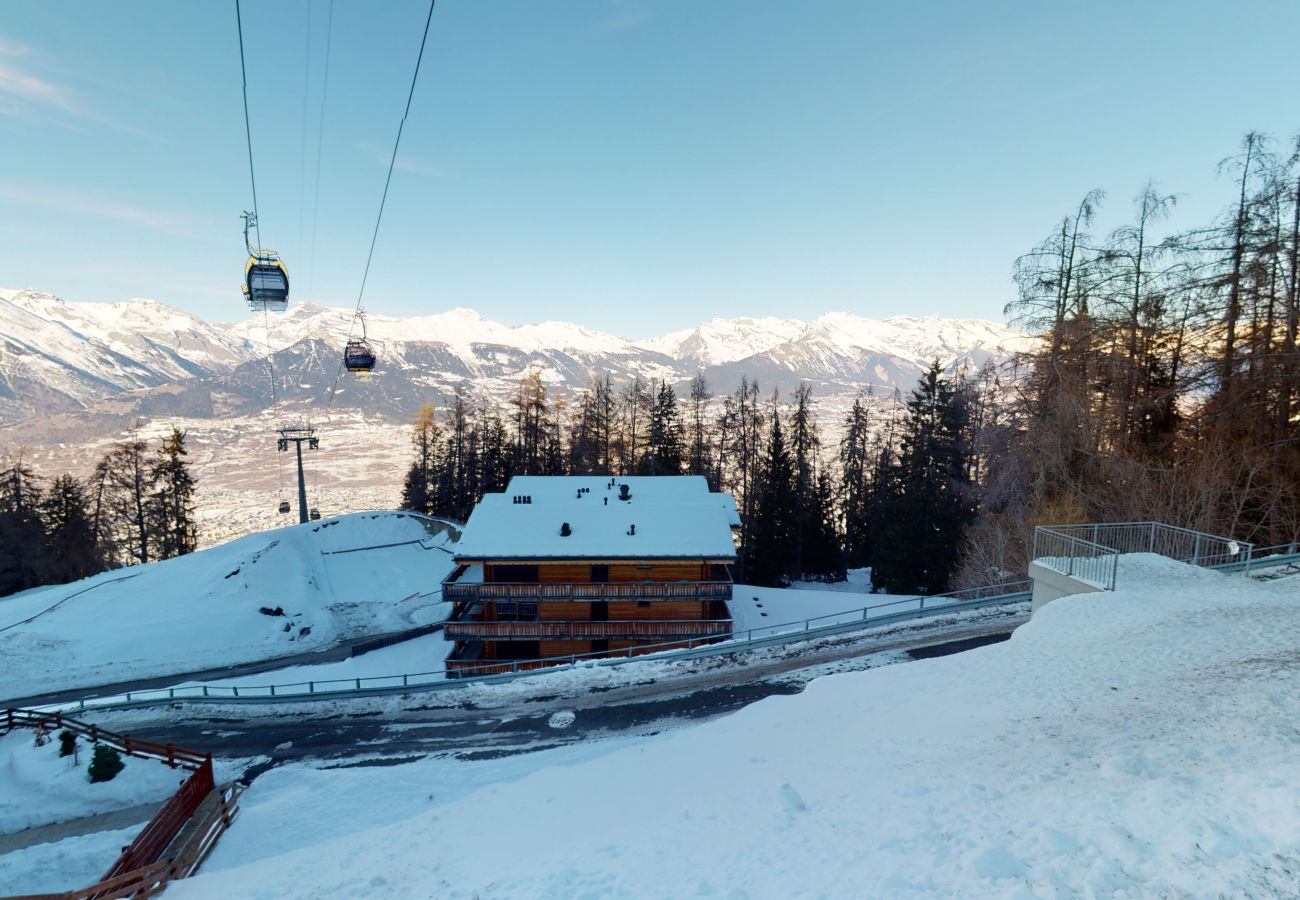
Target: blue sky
x=630, y=164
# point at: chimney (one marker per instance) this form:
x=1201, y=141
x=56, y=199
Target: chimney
x=565, y=530
x=624, y=492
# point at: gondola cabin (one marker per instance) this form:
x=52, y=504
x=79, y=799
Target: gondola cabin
x=359, y=357
x=564, y=566
x=266, y=283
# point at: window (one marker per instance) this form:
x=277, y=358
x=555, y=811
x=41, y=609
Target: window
x=645, y=603
x=515, y=574
x=510, y=611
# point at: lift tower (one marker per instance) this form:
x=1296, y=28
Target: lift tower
x=298, y=434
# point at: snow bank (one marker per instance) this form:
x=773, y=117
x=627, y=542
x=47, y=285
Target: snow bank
x=64, y=865
x=39, y=787
x=335, y=579
x=758, y=608
x=1126, y=744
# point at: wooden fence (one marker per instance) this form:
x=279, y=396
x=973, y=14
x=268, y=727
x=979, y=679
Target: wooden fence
x=189, y=823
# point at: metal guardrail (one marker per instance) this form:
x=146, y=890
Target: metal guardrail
x=902, y=609
x=1076, y=557
x=1091, y=551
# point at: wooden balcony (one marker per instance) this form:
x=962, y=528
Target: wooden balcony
x=632, y=629
x=585, y=592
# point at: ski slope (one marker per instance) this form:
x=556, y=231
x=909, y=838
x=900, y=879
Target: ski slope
x=1134, y=743
x=335, y=579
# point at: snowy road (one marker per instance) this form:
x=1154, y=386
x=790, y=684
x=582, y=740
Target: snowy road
x=383, y=733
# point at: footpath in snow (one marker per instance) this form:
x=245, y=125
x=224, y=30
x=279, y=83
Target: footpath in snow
x=1127, y=744
x=334, y=580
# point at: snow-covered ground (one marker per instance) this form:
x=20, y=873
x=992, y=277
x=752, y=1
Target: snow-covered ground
x=39, y=787
x=759, y=609
x=335, y=579
x=1128, y=744
x=418, y=655
x=71, y=863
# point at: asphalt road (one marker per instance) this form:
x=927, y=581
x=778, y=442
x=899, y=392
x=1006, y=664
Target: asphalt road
x=420, y=728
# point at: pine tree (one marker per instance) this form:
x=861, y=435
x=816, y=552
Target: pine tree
x=771, y=559
x=24, y=552
x=855, y=469
x=173, y=498
x=664, y=453
x=929, y=500
x=823, y=554
x=69, y=531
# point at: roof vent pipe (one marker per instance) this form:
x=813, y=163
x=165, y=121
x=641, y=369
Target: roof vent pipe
x=624, y=492
x=565, y=530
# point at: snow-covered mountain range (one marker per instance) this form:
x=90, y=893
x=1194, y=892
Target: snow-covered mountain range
x=58, y=356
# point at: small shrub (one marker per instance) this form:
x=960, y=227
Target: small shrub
x=67, y=743
x=105, y=764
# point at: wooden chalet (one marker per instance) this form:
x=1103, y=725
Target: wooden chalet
x=564, y=566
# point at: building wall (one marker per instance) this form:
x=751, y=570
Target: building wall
x=580, y=572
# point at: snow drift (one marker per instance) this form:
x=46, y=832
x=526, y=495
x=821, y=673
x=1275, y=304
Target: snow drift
x=333, y=579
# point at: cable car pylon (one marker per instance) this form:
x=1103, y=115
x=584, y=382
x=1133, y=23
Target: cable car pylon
x=297, y=434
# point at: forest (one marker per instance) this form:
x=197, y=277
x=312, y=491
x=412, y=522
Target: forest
x=1165, y=385
x=136, y=507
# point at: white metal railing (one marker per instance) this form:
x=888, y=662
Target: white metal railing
x=1091, y=551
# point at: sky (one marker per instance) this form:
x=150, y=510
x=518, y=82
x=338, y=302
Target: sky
x=634, y=165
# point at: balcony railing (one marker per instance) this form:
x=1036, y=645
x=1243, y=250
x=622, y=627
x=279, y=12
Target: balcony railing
x=632, y=629
x=583, y=592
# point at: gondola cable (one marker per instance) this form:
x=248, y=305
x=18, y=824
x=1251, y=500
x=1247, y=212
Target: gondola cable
x=257, y=225
x=383, y=200
x=320, y=135
x=302, y=131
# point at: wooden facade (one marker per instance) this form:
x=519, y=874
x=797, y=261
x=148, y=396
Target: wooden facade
x=510, y=615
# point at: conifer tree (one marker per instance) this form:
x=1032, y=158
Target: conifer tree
x=771, y=558
x=24, y=552
x=664, y=454
x=173, y=498
x=69, y=531
x=929, y=499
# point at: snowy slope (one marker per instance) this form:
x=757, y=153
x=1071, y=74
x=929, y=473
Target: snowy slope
x=720, y=341
x=202, y=610
x=1131, y=744
x=56, y=355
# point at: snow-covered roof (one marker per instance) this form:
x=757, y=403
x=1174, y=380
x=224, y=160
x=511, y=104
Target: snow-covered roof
x=675, y=517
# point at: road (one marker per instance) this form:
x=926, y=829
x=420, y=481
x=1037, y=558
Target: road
x=419, y=727
x=332, y=653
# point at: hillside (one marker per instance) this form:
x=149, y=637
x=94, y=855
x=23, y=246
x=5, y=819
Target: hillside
x=335, y=579
x=1130, y=744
